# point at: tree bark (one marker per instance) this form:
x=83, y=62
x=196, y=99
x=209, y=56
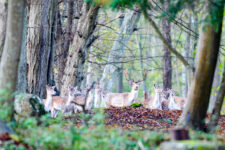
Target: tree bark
x=39, y=44
x=22, y=70
x=3, y=21
x=77, y=55
x=216, y=84
x=217, y=106
x=65, y=40
x=167, y=63
x=12, y=48
x=198, y=96
x=117, y=52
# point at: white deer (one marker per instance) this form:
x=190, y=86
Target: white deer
x=175, y=102
x=48, y=101
x=124, y=99
x=155, y=102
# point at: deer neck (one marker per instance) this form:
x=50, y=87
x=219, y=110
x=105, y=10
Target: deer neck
x=48, y=100
x=133, y=95
x=172, y=102
x=69, y=99
x=156, y=102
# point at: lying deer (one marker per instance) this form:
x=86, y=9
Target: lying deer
x=47, y=102
x=176, y=103
x=173, y=102
x=155, y=102
x=124, y=99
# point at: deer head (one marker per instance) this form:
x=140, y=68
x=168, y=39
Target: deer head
x=158, y=89
x=135, y=84
x=172, y=92
x=50, y=90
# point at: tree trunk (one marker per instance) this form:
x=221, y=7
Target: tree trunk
x=115, y=56
x=218, y=105
x=22, y=70
x=11, y=52
x=3, y=20
x=140, y=48
x=120, y=79
x=77, y=55
x=216, y=84
x=64, y=40
x=199, y=93
x=167, y=63
x=39, y=44
x=186, y=51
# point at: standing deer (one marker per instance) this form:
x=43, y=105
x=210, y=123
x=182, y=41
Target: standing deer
x=124, y=99
x=84, y=99
x=155, y=102
x=99, y=98
x=50, y=92
x=62, y=103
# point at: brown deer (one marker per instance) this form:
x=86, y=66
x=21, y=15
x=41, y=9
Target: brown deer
x=124, y=99
x=62, y=103
x=83, y=99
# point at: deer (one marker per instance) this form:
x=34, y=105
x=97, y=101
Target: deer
x=84, y=100
x=155, y=102
x=47, y=102
x=175, y=102
x=124, y=99
x=99, y=98
x=63, y=103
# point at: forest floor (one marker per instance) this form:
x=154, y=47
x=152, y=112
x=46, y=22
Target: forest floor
x=140, y=118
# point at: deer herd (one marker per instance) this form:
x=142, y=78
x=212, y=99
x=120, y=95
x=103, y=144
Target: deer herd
x=95, y=97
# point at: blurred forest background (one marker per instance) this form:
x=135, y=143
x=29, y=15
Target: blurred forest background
x=76, y=42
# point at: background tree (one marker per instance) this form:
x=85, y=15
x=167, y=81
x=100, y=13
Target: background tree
x=39, y=43
x=73, y=73
x=118, y=49
x=12, y=48
x=208, y=48
x=167, y=63
x=3, y=20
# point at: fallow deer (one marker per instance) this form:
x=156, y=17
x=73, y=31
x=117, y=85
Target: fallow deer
x=124, y=99
x=47, y=102
x=99, y=98
x=155, y=102
x=83, y=100
x=175, y=102
x=62, y=103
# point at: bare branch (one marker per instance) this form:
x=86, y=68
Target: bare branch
x=174, y=51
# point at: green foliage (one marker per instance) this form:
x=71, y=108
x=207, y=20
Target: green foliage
x=136, y=105
x=47, y=133
x=5, y=109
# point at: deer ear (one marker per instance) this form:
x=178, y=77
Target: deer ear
x=130, y=82
x=155, y=85
x=75, y=88
x=141, y=82
x=69, y=87
x=47, y=86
